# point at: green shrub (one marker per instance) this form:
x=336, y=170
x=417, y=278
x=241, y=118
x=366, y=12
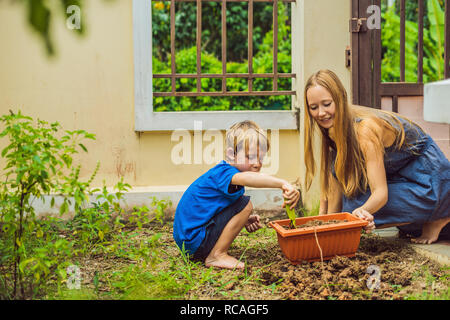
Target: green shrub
x=37, y=163
x=433, y=38
x=36, y=252
x=186, y=62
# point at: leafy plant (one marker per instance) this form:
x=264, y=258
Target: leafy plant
x=48, y=258
x=186, y=61
x=185, y=26
x=36, y=251
x=37, y=163
x=310, y=213
x=390, y=35
x=291, y=214
x=433, y=39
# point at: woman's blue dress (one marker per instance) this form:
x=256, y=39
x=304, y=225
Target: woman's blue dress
x=418, y=178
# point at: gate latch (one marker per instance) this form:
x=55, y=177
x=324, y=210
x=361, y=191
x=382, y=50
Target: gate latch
x=358, y=25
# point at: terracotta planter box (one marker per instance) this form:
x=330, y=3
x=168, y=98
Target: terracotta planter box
x=338, y=239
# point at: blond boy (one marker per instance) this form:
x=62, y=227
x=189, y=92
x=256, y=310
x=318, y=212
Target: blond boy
x=214, y=209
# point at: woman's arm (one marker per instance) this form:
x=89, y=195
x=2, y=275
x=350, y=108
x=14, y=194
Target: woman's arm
x=334, y=196
x=323, y=208
x=376, y=173
x=333, y=203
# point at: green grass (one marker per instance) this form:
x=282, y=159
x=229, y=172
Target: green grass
x=430, y=281
x=427, y=295
x=168, y=274
x=310, y=213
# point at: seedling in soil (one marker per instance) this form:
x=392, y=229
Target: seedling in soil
x=291, y=214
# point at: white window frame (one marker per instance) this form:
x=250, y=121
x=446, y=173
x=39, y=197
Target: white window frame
x=148, y=120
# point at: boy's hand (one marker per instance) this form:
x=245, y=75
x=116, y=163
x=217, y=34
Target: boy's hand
x=365, y=215
x=290, y=194
x=253, y=223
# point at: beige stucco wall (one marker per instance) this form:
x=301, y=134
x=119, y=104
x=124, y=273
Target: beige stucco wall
x=89, y=85
x=325, y=37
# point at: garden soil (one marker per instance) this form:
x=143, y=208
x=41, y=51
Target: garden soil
x=346, y=278
x=401, y=271
x=269, y=275
x=316, y=223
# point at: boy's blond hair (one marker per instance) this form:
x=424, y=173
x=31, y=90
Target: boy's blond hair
x=247, y=134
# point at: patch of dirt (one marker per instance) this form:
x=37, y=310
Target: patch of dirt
x=346, y=278
x=402, y=272
x=316, y=223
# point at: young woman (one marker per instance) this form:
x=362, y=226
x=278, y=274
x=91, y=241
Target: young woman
x=376, y=164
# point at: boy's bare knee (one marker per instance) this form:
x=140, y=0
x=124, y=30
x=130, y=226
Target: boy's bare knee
x=248, y=208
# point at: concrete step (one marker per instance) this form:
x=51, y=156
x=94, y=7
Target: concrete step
x=438, y=251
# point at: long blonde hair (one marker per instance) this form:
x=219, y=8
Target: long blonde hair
x=350, y=165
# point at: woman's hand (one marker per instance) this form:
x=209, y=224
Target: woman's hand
x=365, y=215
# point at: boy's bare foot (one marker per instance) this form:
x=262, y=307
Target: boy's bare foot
x=224, y=261
x=430, y=231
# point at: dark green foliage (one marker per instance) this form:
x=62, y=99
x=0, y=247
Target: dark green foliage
x=186, y=61
x=433, y=61
x=39, y=161
x=185, y=28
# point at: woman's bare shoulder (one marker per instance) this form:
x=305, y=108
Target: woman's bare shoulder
x=369, y=126
x=372, y=132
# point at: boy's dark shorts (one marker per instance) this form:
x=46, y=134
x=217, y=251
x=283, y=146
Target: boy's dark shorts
x=216, y=225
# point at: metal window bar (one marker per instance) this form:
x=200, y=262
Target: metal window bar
x=224, y=76
x=402, y=39
x=420, y=43
x=402, y=88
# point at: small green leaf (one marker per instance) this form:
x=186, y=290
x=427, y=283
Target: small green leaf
x=44, y=174
x=37, y=159
x=95, y=280
x=24, y=263
x=291, y=214
x=5, y=150
x=64, y=208
x=83, y=147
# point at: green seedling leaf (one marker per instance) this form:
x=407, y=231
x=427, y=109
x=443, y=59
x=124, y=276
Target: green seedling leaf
x=291, y=214
x=83, y=147
x=95, y=280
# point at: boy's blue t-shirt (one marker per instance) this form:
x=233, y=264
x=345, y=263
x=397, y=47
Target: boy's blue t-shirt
x=205, y=197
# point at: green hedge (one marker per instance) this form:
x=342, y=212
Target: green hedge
x=186, y=62
x=433, y=37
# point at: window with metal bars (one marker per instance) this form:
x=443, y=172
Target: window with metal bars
x=147, y=90
x=224, y=82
